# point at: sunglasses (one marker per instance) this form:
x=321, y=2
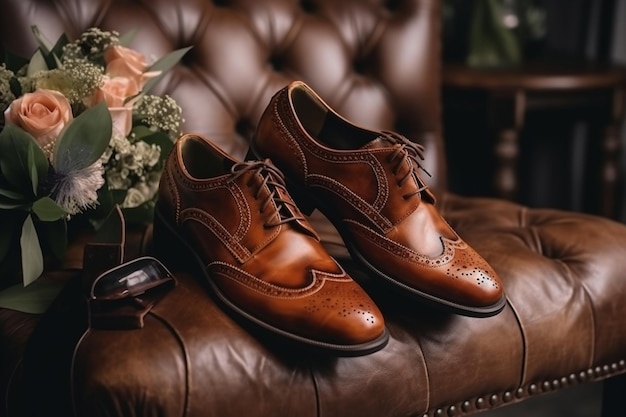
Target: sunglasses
x=121, y=297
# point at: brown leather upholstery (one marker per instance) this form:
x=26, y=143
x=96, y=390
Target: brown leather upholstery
x=377, y=63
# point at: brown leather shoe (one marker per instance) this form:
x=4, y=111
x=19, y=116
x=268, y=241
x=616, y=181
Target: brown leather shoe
x=259, y=254
x=367, y=183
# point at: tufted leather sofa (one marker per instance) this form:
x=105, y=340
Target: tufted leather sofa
x=377, y=63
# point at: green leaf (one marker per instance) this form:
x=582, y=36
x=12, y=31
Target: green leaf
x=56, y=237
x=127, y=38
x=84, y=140
x=491, y=44
x=37, y=63
x=30, y=162
x=57, y=50
x=164, y=64
x=8, y=205
x=11, y=195
x=32, y=258
x=16, y=87
x=11, y=221
x=48, y=210
x=14, y=62
x=21, y=159
x=34, y=299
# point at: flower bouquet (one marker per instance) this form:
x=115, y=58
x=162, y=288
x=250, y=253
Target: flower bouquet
x=79, y=133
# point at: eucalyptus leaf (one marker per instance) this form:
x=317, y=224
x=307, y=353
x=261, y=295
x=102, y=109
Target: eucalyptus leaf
x=30, y=162
x=84, y=140
x=164, y=64
x=57, y=51
x=127, y=38
x=14, y=62
x=48, y=210
x=12, y=223
x=11, y=195
x=37, y=63
x=34, y=299
x=18, y=155
x=56, y=237
x=15, y=86
x=32, y=258
x=12, y=205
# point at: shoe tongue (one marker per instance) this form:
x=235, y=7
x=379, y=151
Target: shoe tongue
x=379, y=142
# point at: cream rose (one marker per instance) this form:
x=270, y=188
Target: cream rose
x=114, y=92
x=42, y=113
x=125, y=62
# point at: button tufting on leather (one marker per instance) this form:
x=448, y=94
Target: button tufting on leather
x=481, y=403
x=466, y=406
x=507, y=397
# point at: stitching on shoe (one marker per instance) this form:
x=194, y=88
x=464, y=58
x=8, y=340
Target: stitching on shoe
x=351, y=198
x=396, y=249
x=281, y=112
x=242, y=277
x=208, y=221
x=244, y=211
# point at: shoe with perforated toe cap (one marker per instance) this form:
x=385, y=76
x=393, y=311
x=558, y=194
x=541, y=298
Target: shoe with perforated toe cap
x=369, y=185
x=258, y=253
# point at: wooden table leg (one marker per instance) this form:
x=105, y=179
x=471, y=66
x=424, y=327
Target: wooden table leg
x=507, y=110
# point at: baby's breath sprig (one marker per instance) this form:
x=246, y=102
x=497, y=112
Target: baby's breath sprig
x=91, y=44
x=162, y=113
x=6, y=95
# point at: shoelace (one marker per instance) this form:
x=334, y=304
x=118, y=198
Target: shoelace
x=274, y=180
x=405, y=148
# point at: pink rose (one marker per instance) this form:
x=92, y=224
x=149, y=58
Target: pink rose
x=114, y=92
x=125, y=62
x=42, y=113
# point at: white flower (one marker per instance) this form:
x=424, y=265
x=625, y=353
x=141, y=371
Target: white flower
x=117, y=181
x=76, y=191
x=134, y=198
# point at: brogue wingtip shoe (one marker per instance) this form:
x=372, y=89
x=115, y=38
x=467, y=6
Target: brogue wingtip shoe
x=369, y=184
x=236, y=222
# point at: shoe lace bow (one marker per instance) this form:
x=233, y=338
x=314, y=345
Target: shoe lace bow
x=274, y=181
x=404, y=148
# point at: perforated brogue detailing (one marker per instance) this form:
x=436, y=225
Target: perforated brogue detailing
x=469, y=265
x=344, y=301
x=243, y=278
x=449, y=247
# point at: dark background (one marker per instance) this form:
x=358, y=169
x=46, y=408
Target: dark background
x=554, y=163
